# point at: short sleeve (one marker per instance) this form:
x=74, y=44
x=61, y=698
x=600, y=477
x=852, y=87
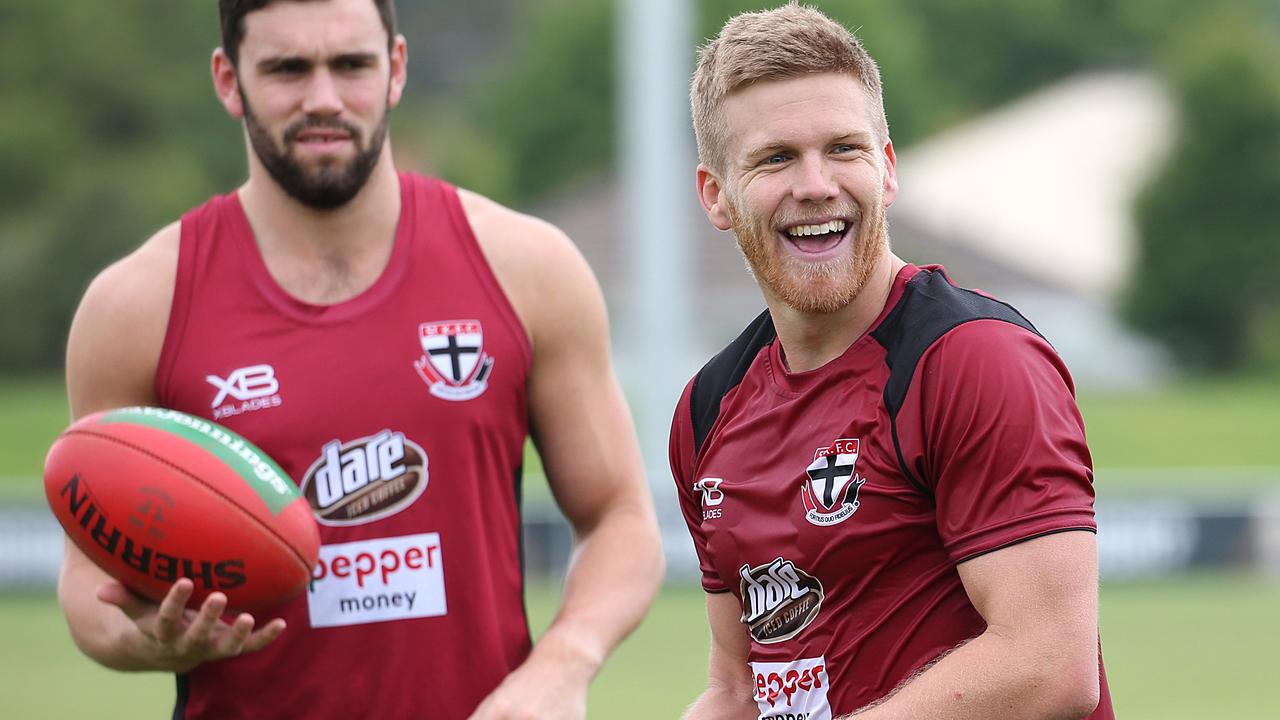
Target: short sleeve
x=683, y=456
x=1003, y=446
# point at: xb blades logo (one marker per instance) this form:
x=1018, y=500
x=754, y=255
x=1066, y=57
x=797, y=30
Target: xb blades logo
x=830, y=493
x=712, y=496
x=254, y=387
x=711, y=493
x=454, y=364
x=246, y=383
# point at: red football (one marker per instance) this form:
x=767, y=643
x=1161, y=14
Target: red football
x=153, y=495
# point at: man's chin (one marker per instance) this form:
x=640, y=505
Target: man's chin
x=815, y=301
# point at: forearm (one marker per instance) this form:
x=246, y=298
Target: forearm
x=613, y=577
x=721, y=702
x=996, y=676
x=101, y=631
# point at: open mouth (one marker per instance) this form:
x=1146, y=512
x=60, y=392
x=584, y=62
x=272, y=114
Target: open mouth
x=816, y=238
x=322, y=139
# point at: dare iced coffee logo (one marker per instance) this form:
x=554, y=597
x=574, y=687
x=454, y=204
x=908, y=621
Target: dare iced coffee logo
x=365, y=479
x=778, y=600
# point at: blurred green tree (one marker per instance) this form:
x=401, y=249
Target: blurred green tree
x=1210, y=221
x=107, y=131
x=106, y=137
x=542, y=116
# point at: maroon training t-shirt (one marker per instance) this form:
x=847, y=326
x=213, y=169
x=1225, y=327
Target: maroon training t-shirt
x=835, y=504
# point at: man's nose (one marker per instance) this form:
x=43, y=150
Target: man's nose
x=322, y=96
x=814, y=182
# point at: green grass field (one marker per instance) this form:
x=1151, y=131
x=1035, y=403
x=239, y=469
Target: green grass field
x=1183, y=649
x=1213, y=424
x=1162, y=441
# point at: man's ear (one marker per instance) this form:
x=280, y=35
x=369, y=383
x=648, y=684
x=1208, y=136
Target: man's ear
x=712, y=196
x=890, y=174
x=226, y=83
x=399, y=71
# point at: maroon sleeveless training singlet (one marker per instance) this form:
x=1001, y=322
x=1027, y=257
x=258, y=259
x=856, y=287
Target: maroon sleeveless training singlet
x=402, y=415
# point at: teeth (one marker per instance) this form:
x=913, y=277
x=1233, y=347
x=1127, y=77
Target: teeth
x=826, y=227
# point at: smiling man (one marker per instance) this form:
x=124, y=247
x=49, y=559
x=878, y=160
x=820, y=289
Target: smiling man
x=885, y=476
x=391, y=341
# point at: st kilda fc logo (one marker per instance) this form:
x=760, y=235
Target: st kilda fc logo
x=830, y=492
x=454, y=364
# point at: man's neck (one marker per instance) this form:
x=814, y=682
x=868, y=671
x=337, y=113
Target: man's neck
x=324, y=256
x=811, y=340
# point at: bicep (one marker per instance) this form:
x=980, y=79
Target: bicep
x=730, y=645
x=112, y=352
x=114, y=344
x=578, y=416
x=1043, y=590
x=580, y=422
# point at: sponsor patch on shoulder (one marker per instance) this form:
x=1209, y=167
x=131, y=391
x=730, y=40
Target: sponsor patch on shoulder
x=795, y=690
x=379, y=580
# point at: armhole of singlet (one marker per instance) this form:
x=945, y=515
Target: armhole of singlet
x=484, y=271
x=179, y=308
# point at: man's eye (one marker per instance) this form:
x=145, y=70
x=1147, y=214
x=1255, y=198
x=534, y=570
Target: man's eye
x=775, y=159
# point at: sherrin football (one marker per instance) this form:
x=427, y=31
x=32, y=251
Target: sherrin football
x=152, y=495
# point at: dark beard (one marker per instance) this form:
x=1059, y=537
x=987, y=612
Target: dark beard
x=330, y=187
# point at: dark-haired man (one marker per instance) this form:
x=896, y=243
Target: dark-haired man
x=390, y=341
x=885, y=476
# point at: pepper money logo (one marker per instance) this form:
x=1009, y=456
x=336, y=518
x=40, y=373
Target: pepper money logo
x=795, y=690
x=778, y=600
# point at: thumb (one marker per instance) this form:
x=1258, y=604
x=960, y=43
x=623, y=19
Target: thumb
x=113, y=593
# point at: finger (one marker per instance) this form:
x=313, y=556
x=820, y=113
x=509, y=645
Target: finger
x=169, y=617
x=233, y=642
x=199, y=635
x=264, y=636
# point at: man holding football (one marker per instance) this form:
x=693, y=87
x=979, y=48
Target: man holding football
x=332, y=310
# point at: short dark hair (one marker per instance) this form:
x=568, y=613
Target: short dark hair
x=232, y=12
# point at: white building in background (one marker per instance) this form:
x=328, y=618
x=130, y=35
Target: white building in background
x=1033, y=202
x=1030, y=202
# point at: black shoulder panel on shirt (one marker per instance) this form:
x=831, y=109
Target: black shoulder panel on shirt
x=723, y=373
x=930, y=307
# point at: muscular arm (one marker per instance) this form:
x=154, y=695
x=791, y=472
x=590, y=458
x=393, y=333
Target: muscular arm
x=112, y=353
x=587, y=443
x=1038, y=657
x=729, y=689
